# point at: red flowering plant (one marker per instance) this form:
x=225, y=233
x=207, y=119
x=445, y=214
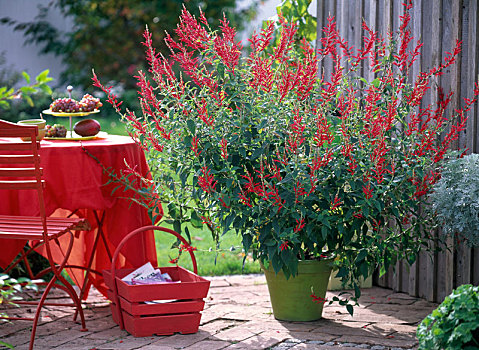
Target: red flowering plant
x=301, y=165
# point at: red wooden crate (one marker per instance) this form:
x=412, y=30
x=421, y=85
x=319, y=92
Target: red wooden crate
x=181, y=312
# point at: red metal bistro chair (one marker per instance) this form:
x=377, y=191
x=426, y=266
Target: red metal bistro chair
x=20, y=170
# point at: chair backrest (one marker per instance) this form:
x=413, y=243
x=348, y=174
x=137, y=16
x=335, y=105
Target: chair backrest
x=20, y=162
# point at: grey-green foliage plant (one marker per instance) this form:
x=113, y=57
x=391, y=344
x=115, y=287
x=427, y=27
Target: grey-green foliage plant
x=455, y=199
x=454, y=324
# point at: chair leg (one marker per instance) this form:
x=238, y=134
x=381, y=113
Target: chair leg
x=76, y=300
x=39, y=307
x=57, y=270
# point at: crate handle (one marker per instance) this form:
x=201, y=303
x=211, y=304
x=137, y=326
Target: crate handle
x=122, y=243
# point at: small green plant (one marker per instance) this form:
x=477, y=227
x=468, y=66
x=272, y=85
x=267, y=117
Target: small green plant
x=454, y=324
x=40, y=84
x=9, y=288
x=456, y=199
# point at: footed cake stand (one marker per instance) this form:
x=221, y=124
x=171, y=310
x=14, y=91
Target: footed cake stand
x=70, y=116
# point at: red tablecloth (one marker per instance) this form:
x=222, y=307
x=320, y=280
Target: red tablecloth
x=75, y=181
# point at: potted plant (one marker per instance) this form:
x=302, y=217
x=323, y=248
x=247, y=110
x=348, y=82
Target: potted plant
x=455, y=199
x=454, y=325
x=306, y=168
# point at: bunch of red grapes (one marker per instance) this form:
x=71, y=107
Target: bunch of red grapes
x=68, y=105
x=56, y=130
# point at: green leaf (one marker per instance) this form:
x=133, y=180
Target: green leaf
x=247, y=241
x=187, y=234
x=29, y=100
x=26, y=77
x=220, y=69
x=362, y=254
x=196, y=221
x=257, y=152
x=229, y=220
x=191, y=126
x=27, y=90
x=177, y=226
x=376, y=82
x=173, y=210
x=43, y=77
x=350, y=309
x=46, y=89
x=10, y=346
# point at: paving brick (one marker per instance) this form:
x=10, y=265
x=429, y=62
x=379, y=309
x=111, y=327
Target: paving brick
x=218, y=325
x=108, y=334
x=209, y=345
x=79, y=344
x=215, y=283
x=309, y=346
x=11, y=328
x=235, y=334
x=305, y=336
x=260, y=341
x=58, y=338
x=384, y=341
x=126, y=343
x=179, y=341
x=19, y=338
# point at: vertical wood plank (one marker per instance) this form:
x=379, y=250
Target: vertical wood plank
x=343, y=12
x=473, y=74
x=472, y=78
x=464, y=253
x=451, y=82
x=387, y=17
x=475, y=267
x=319, y=31
x=433, y=265
x=380, y=17
x=329, y=9
x=416, y=27
x=371, y=14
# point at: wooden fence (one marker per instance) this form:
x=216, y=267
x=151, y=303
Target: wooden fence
x=438, y=24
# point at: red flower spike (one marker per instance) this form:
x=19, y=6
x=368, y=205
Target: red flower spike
x=284, y=246
x=225, y=46
x=224, y=149
x=299, y=225
x=194, y=146
x=206, y=181
x=245, y=201
x=223, y=203
x=208, y=119
x=368, y=192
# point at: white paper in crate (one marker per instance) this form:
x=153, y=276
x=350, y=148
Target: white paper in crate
x=146, y=274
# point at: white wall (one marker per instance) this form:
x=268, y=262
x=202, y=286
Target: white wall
x=27, y=57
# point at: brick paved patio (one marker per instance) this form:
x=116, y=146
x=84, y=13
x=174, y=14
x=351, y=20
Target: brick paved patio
x=238, y=315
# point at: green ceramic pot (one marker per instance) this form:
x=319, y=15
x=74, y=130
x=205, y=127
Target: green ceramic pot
x=291, y=298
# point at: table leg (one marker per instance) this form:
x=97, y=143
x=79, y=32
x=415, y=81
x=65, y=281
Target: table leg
x=99, y=220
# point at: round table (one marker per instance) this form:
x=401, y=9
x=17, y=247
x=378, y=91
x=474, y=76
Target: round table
x=76, y=183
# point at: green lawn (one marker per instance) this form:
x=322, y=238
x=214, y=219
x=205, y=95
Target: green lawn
x=228, y=261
